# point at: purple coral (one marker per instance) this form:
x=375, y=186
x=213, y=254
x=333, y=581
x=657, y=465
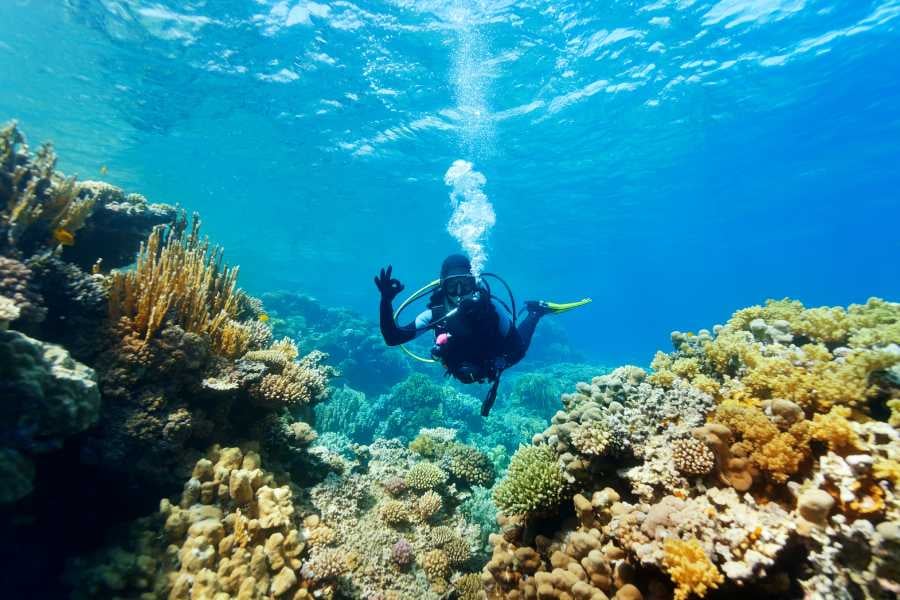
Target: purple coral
x=394, y=486
x=402, y=553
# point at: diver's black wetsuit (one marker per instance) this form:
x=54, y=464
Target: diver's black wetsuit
x=474, y=336
x=512, y=341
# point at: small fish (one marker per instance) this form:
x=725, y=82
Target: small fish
x=263, y=317
x=104, y=169
x=63, y=237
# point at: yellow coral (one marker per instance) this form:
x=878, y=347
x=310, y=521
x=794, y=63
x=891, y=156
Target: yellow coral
x=782, y=456
x=774, y=310
x=690, y=568
x=894, y=406
x=706, y=384
x=181, y=279
x=686, y=368
x=874, y=323
x=729, y=350
x=814, y=382
x=829, y=325
x=834, y=429
x=778, y=453
x=888, y=470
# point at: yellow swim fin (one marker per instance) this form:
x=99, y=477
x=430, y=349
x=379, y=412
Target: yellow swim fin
x=546, y=308
x=557, y=307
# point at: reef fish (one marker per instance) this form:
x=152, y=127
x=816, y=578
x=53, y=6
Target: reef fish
x=63, y=237
x=104, y=169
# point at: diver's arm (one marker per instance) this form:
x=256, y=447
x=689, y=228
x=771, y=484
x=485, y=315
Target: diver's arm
x=389, y=287
x=394, y=334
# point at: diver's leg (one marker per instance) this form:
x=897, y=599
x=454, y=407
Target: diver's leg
x=519, y=339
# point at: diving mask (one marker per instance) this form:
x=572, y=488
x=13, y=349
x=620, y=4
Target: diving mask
x=460, y=287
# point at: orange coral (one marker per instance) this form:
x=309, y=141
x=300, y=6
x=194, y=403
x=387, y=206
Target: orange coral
x=690, y=568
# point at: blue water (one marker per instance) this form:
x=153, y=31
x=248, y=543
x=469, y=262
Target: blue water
x=674, y=160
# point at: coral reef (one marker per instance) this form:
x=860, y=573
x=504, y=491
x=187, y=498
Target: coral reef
x=46, y=397
x=353, y=343
x=86, y=221
x=234, y=533
x=757, y=456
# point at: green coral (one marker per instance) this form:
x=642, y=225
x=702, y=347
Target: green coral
x=533, y=484
x=425, y=476
x=470, y=465
x=428, y=446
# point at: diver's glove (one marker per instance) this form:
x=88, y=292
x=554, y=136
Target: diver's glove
x=388, y=287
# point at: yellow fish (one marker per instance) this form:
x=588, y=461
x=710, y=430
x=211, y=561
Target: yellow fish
x=104, y=169
x=263, y=317
x=63, y=237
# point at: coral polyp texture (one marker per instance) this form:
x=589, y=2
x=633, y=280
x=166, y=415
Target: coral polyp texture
x=757, y=456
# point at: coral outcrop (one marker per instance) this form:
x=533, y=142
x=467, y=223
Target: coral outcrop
x=45, y=397
x=756, y=456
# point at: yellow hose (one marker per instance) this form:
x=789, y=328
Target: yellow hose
x=416, y=295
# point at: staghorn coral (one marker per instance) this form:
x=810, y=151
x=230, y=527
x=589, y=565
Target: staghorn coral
x=690, y=568
x=289, y=383
x=429, y=504
x=394, y=512
x=469, y=587
x=436, y=565
x=38, y=206
x=402, y=553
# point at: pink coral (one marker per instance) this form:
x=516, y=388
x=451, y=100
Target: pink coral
x=402, y=553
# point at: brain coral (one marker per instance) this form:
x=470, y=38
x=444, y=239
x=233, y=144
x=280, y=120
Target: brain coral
x=533, y=484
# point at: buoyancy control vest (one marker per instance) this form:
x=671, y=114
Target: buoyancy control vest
x=472, y=341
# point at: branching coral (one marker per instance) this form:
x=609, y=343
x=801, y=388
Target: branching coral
x=692, y=457
x=425, y=476
x=533, y=484
x=690, y=568
x=35, y=201
x=470, y=465
x=179, y=278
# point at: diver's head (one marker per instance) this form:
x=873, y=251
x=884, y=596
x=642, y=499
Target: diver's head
x=457, y=280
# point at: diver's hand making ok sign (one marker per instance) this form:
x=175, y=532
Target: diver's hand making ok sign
x=388, y=287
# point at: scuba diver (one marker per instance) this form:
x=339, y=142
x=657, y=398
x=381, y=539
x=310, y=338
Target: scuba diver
x=477, y=336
